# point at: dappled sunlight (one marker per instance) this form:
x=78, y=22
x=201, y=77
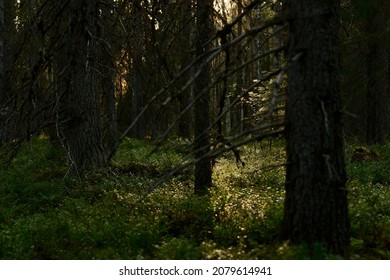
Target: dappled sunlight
x=115, y=215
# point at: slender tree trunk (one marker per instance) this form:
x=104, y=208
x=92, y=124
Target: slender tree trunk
x=376, y=94
x=3, y=98
x=185, y=123
x=138, y=80
x=316, y=209
x=81, y=126
x=378, y=74
x=241, y=75
x=6, y=29
x=203, y=169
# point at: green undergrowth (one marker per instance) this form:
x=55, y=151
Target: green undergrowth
x=369, y=189
x=121, y=214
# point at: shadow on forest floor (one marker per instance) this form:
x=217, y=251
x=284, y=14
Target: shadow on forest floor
x=46, y=216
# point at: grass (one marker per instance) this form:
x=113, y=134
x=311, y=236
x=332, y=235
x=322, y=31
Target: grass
x=46, y=216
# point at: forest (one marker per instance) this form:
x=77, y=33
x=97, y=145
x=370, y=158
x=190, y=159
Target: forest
x=194, y=129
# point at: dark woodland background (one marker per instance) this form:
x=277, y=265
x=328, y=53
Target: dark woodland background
x=156, y=129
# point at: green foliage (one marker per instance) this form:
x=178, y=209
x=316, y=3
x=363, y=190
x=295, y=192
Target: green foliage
x=376, y=173
x=358, y=10
x=369, y=185
x=178, y=249
x=373, y=170
x=138, y=151
x=46, y=216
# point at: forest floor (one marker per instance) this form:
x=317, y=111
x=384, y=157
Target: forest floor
x=120, y=214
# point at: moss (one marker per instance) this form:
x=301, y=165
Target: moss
x=46, y=216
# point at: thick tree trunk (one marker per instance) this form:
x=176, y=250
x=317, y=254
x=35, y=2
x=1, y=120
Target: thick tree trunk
x=203, y=169
x=108, y=83
x=316, y=209
x=81, y=126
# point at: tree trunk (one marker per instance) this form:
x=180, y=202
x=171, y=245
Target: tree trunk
x=3, y=98
x=378, y=75
x=185, y=122
x=203, y=169
x=6, y=28
x=316, y=210
x=138, y=80
x=108, y=71
x=108, y=84
x=240, y=76
x=81, y=126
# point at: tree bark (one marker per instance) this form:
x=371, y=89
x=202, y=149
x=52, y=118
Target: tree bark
x=107, y=52
x=81, y=125
x=6, y=29
x=378, y=105
x=316, y=210
x=185, y=122
x=3, y=98
x=138, y=80
x=203, y=171
x=108, y=84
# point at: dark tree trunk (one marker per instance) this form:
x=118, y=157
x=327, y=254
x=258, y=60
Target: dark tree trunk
x=316, y=209
x=203, y=169
x=185, y=123
x=376, y=94
x=110, y=119
x=81, y=125
x=4, y=131
x=137, y=79
x=243, y=114
x=6, y=29
x=378, y=110
x=108, y=71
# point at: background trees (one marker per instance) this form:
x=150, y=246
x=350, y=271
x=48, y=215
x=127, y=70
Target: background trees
x=378, y=105
x=142, y=66
x=365, y=69
x=88, y=74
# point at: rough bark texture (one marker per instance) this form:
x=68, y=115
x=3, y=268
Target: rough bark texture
x=203, y=169
x=81, y=126
x=108, y=82
x=316, y=208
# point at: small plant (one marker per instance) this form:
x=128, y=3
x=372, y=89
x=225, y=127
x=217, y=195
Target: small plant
x=178, y=249
x=113, y=215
